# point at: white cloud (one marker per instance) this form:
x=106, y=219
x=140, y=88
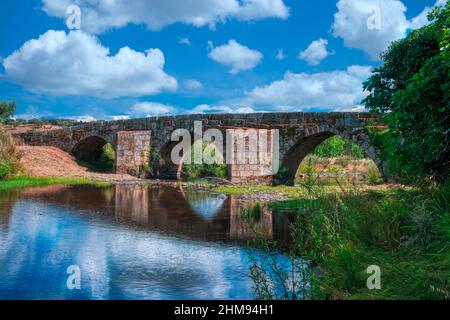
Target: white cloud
x=324, y=90
x=115, y=118
x=351, y=109
x=351, y=23
x=193, y=84
x=101, y=15
x=315, y=53
x=33, y=112
x=86, y=118
x=151, y=109
x=205, y=108
x=280, y=55
x=185, y=41
x=77, y=64
x=236, y=56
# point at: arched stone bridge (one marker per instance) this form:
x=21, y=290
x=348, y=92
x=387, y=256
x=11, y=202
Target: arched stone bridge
x=145, y=144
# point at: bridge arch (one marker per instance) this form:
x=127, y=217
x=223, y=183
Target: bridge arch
x=91, y=148
x=165, y=166
x=298, y=150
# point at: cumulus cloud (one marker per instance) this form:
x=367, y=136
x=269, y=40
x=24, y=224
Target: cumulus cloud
x=205, y=108
x=101, y=15
x=84, y=119
x=359, y=108
x=185, y=41
x=236, y=56
x=280, y=55
x=75, y=63
x=303, y=91
x=193, y=84
x=371, y=25
x=120, y=117
x=315, y=53
x=151, y=109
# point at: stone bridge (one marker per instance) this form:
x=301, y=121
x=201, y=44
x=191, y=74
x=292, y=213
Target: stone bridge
x=144, y=146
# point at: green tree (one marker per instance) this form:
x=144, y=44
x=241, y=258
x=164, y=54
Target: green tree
x=337, y=146
x=412, y=89
x=7, y=109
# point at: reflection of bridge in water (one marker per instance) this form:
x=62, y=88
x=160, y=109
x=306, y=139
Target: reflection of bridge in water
x=189, y=213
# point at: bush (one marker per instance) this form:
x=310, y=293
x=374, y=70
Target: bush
x=373, y=176
x=104, y=162
x=195, y=171
x=337, y=146
x=7, y=109
x=9, y=158
x=405, y=232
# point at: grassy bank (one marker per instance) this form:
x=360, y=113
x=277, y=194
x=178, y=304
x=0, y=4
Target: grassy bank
x=290, y=192
x=404, y=232
x=297, y=192
x=30, y=182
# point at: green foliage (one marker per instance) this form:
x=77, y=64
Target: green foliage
x=337, y=146
x=283, y=176
x=252, y=213
x=9, y=158
x=310, y=174
x=7, y=109
x=401, y=61
x=412, y=88
x=420, y=136
x=107, y=160
x=32, y=182
x=195, y=171
x=5, y=169
x=373, y=176
x=405, y=232
x=104, y=162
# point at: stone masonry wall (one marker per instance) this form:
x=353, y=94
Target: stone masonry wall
x=133, y=152
x=253, y=165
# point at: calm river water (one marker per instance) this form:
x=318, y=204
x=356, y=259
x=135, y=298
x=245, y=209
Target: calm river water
x=129, y=242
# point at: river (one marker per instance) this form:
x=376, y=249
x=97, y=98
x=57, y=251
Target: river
x=128, y=242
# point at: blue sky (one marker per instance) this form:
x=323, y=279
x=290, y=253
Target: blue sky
x=209, y=56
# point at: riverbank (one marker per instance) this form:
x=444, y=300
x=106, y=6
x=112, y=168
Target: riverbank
x=404, y=232
x=33, y=182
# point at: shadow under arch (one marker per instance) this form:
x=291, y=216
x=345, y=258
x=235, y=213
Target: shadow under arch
x=90, y=148
x=306, y=145
x=167, y=169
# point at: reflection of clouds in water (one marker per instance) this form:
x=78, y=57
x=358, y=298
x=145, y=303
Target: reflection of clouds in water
x=205, y=205
x=116, y=262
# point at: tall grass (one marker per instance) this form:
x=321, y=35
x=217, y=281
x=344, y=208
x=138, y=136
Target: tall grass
x=9, y=157
x=405, y=232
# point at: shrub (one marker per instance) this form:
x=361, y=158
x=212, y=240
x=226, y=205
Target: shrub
x=337, y=146
x=195, y=171
x=9, y=157
x=405, y=232
x=373, y=176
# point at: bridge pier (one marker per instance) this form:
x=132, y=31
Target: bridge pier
x=133, y=152
x=253, y=164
